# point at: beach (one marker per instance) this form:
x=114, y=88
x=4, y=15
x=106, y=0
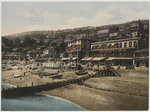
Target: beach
x=128, y=92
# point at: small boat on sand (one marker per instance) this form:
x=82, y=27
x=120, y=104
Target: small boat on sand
x=49, y=74
x=17, y=76
x=81, y=72
x=56, y=76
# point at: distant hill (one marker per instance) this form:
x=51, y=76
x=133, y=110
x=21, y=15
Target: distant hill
x=63, y=33
x=29, y=33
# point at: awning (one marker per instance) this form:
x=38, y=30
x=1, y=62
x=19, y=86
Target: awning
x=64, y=59
x=111, y=58
x=119, y=58
x=86, y=59
x=98, y=58
x=74, y=58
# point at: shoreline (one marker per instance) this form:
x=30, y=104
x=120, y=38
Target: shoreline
x=95, y=98
x=99, y=96
x=48, y=95
x=54, y=96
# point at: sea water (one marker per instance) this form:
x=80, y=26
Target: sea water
x=37, y=102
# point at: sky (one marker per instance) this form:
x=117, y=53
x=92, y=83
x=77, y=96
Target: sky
x=34, y=16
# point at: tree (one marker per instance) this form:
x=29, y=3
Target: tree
x=61, y=48
x=16, y=43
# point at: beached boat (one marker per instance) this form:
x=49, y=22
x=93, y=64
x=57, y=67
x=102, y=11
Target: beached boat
x=81, y=72
x=38, y=72
x=48, y=74
x=17, y=76
x=56, y=76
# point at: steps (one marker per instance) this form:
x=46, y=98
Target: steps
x=107, y=73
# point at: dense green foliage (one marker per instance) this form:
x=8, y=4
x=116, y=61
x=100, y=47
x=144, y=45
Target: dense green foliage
x=26, y=45
x=60, y=48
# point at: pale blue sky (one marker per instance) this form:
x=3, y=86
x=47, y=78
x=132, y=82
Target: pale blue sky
x=29, y=16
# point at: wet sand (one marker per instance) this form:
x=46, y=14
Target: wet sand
x=107, y=93
x=129, y=92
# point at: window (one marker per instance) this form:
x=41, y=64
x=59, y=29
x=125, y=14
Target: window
x=102, y=46
x=120, y=44
x=116, y=45
x=130, y=44
x=134, y=43
x=125, y=44
x=109, y=46
x=99, y=46
x=96, y=47
x=93, y=47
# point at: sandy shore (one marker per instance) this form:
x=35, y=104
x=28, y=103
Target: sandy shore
x=107, y=94
x=129, y=92
x=30, y=76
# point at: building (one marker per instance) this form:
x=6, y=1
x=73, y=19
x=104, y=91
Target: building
x=81, y=45
x=115, y=48
x=12, y=56
x=116, y=52
x=141, y=58
x=49, y=52
x=31, y=54
x=133, y=28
